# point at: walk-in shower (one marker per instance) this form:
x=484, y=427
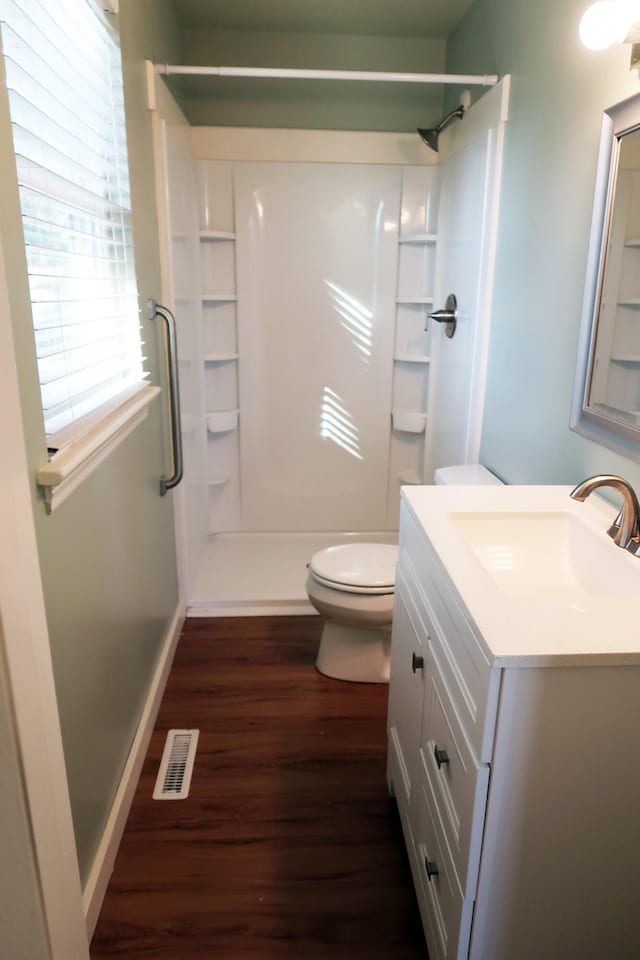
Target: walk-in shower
x=301, y=285
x=315, y=279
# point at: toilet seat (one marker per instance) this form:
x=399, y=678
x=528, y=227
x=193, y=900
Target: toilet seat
x=361, y=568
x=348, y=588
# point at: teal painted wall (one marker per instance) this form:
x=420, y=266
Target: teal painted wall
x=311, y=104
x=107, y=555
x=559, y=90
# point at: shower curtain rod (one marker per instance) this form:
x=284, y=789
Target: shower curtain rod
x=488, y=80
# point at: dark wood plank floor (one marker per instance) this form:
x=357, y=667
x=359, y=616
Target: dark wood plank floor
x=288, y=845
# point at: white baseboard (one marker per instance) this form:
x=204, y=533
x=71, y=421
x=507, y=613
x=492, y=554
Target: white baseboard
x=102, y=867
x=249, y=609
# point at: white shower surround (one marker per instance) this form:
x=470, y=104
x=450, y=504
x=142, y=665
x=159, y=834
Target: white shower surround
x=316, y=270
x=245, y=570
x=320, y=335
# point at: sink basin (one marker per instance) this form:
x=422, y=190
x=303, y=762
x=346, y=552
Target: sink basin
x=549, y=553
x=531, y=571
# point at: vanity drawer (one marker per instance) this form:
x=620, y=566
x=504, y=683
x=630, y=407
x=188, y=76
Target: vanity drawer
x=472, y=684
x=459, y=783
x=406, y=690
x=448, y=913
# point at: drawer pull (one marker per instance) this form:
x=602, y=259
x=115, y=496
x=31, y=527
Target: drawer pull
x=431, y=867
x=417, y=663
x=441, y=756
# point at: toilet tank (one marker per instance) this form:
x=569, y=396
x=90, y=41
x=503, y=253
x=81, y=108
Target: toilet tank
x=467, y=474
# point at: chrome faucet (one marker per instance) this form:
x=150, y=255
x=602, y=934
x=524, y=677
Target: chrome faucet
x=625, y=529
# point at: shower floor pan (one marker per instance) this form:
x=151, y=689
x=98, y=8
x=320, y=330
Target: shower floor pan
x=257, y=574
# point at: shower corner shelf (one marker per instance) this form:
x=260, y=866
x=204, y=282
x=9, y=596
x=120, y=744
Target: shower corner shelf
x=410, y=478
x=419, y=238
x=412, y=358
x=216, y=235
x=219, y=297
x=217, y=479
x=632, y=242
x=409, y=421
x=222, y=421
x=220, y=357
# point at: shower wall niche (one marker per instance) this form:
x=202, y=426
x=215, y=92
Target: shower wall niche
x=220, y=340
x=316, y=283
x=416, y=284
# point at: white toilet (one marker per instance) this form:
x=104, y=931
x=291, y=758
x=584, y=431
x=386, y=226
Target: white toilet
x=352, y=587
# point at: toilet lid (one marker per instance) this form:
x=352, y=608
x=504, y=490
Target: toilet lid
x=360, y=567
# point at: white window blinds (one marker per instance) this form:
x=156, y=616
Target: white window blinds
x=63, y=71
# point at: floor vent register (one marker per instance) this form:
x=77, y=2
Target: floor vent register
x=174, y=776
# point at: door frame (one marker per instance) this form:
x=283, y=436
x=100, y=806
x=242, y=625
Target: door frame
x=38, y=770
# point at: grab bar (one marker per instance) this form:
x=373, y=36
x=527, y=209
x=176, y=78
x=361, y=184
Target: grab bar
x=157, y=310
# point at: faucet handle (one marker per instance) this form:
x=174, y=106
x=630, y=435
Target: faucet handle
x=634, y=546
x=615, y=526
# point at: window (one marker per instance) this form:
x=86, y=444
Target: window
x=64, y=76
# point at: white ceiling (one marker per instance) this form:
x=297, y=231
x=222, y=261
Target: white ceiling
x=391, y=18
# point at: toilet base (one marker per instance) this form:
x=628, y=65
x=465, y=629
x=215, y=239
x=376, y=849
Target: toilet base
x=355, y=654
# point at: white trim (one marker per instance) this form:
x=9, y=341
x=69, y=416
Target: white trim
x=24, y=646
x=102, y=867
x=67, y=468
x=368, y=76
x=150, y=83
x=249, y=608
x=273, y=144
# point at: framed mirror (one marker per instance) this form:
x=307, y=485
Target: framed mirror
x=606, y=401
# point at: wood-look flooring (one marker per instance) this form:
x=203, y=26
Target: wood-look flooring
x=288, y=845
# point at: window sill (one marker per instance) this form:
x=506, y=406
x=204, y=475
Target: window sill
x=66, y=469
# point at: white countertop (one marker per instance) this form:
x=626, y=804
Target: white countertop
x=570, y=627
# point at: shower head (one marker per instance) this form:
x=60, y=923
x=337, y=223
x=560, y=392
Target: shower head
x=430, y=136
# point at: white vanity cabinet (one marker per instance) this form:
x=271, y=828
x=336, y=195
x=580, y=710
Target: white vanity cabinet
x=517, y=781
x=408, y=650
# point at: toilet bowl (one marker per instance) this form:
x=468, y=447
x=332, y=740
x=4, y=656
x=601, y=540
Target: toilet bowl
x=352, y=587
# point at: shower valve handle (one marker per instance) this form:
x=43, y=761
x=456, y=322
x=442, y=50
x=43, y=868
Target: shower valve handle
x=448, y=316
